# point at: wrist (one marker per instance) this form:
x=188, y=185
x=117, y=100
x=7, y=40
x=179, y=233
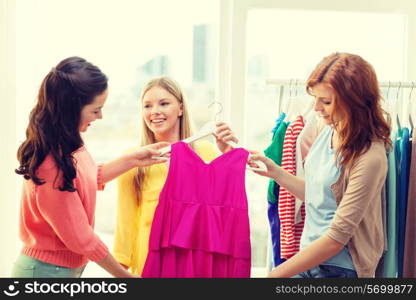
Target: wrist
x=131, y=160
x=276, y=173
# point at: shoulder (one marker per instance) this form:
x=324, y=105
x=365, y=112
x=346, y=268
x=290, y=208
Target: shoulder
x=373, y=161
x=313, y=127
x=376, y=152
x=48, y=169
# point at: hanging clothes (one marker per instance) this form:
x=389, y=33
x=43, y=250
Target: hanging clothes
x=274, y=152
x=201, y=224
x=409, y=264
x=403, y=172
x=290, y=233
x=380, y=266
x=390, y=258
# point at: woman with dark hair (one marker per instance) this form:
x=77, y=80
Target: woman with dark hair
x=345, y=170
x=59, y=193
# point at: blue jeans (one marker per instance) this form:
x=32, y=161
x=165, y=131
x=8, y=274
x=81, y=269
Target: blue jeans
x=327, y=271
x=29, y=267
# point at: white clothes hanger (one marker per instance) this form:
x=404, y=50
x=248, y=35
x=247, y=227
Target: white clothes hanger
x=409, y=108
x=297, y=105
x=208, y=129
x=399, y=104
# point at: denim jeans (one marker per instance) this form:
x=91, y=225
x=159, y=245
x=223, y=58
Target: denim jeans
x=29, y=267
x=327, y=271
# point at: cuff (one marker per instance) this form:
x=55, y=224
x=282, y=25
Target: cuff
x=99, y=253
x=100, y=184
x=339, y=235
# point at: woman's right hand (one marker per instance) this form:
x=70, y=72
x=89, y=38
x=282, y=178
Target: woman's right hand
x=272, y=168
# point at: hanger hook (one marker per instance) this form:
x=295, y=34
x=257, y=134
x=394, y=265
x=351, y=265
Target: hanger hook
x=388, y=90
x=398, y=91
x=296, y=88
x=410, y=94
x=218, y=112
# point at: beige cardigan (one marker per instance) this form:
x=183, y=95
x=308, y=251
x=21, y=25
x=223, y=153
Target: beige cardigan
x=358, y=218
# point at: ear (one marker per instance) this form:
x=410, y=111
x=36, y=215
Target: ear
x=180, y=109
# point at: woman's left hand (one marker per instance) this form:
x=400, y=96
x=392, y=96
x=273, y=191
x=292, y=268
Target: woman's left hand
x=223, y=134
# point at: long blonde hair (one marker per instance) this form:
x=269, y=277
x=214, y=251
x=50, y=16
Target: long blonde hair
x=147, y=136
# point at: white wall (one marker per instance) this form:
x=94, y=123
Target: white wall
x=233, y=42
x=8, y=201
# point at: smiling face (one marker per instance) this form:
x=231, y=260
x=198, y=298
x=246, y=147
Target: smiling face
x=161, y=113
x=93, y=111
x=324, y=103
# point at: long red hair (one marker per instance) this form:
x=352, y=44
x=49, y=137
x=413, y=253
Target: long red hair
x=358, y=98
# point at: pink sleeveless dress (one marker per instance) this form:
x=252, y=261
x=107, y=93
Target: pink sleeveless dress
x=201, y=225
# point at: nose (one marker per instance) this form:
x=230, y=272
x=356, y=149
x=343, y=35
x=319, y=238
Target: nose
x=100, y=115
x=317, y=106
x=155, y=111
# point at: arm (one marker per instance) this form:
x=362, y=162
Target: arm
x=139, y=158
x=365, y=181
x=362, y=195
x=295, y=185
x=314, y=254
x=109, y=264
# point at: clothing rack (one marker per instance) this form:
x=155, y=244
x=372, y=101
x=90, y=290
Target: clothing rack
x=392, y=84
x=282, y=83
x=299, y=82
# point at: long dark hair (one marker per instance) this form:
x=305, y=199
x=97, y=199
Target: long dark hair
x=54, y=121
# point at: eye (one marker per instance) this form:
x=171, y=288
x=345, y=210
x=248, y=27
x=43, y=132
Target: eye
x=146, y=105
x=165, y=103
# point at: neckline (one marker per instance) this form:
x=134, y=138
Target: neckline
x=331, y=134
x=194, y=154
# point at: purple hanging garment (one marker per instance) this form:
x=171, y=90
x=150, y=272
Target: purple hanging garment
x=201, y=226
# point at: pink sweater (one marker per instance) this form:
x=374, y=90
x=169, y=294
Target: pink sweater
x=58, y=227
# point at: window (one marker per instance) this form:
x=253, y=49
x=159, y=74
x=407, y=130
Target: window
x=287, y=44
x=131, y=42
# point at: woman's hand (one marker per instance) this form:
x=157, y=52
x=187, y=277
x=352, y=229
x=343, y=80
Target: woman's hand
x=144, y=156
x=223, y=134
x=272, y=168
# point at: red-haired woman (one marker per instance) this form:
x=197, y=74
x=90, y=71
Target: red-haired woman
x=345, y=170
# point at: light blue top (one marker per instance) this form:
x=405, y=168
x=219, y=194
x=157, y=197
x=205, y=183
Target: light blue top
x=320, y=205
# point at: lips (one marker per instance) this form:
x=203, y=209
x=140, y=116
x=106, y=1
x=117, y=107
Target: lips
x=157, y=121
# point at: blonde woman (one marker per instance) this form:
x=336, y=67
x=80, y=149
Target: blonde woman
x=165, y=117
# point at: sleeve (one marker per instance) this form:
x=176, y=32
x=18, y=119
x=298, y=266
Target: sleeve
x=127, y=218
x=365, y=182
x=65, y=213
x=100, y=184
